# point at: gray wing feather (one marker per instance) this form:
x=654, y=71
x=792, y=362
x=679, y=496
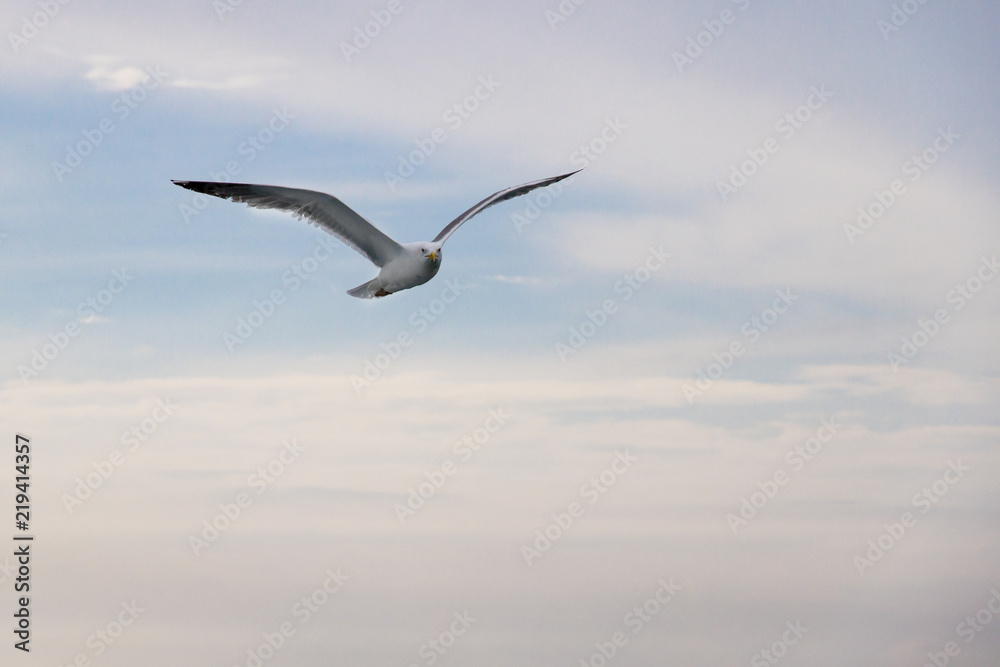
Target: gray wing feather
x=318, y=208
x=496, y=198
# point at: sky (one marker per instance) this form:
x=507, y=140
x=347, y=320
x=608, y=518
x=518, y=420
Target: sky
x=727, y=396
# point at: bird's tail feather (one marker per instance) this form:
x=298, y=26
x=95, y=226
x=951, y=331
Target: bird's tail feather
x=367, y=290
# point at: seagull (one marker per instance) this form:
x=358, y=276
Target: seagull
x=402, y=265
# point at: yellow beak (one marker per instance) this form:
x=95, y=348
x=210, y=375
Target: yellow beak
x=433, y=256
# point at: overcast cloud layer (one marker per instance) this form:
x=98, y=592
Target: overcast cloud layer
x=727, y=396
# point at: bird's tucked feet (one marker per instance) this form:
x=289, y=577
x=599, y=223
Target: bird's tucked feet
x=381, y=292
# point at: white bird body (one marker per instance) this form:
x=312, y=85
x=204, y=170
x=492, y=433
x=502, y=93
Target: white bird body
x=408, y=269
x=402, y=266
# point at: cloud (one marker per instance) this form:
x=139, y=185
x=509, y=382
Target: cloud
x=108, y=77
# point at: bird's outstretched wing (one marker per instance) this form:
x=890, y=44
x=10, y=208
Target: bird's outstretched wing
x=318, y=208
x=496, y=198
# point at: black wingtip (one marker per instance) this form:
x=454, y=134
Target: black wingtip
x=204, y=187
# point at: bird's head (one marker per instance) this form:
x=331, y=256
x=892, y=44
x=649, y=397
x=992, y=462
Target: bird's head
x=431, y=252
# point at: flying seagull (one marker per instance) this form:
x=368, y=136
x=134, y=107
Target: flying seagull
x=402, y=265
